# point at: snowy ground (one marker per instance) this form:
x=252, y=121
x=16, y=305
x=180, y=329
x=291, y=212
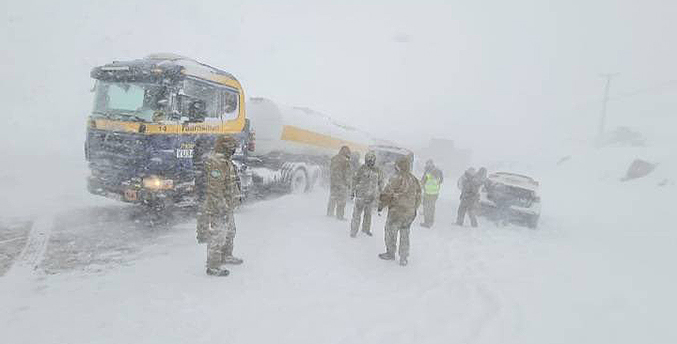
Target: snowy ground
x=599, y=269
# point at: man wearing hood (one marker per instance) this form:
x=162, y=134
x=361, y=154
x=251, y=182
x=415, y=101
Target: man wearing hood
x=432, y=181
x=221, y=197
x=367, y=186
x=402, y=196
x=470, y=195
x=339, y=177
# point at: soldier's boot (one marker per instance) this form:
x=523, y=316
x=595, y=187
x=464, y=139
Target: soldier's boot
x=387, y=256
x=368, y=232
x=219, y=272
x=404, y=261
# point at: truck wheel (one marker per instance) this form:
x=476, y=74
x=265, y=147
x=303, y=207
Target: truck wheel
x=299, y=181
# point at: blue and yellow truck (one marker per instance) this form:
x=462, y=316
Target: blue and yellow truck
x=153, y=117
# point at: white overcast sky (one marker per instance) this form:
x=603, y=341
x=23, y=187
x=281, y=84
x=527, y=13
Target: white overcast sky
x=507, y=74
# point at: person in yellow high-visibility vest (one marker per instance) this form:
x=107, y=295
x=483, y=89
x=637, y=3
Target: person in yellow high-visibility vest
x=431, y=182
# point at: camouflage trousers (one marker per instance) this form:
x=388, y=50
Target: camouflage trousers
x=202, y=225
x=398, y=223
x=337, y=202
x=202, y=218
x=469, y=206
x=221, y=237
x=429, y=208
x=361, y=206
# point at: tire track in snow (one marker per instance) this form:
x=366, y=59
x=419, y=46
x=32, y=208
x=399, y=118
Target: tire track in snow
x=32, y=254
x=487, y=292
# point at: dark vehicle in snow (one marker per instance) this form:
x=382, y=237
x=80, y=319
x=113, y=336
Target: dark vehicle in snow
x=511, y=198
x=147, y=118
x=153, y=117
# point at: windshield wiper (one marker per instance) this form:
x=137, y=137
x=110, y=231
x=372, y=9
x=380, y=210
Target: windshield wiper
x=132, y=116
x=104, y=114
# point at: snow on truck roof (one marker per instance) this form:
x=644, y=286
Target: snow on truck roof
x=157, y=66
x=189, y=64
x=513, y=179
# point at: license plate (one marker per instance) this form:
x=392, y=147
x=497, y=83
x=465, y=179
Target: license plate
x=131, y=195
x=184, y=153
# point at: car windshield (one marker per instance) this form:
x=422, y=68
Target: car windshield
x=128, y=100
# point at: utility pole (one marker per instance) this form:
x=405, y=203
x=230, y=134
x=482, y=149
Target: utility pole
x=605, y=100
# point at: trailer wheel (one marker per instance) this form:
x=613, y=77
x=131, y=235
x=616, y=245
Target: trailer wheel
x=299, y=181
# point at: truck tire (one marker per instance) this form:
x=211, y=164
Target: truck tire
x=299, y=182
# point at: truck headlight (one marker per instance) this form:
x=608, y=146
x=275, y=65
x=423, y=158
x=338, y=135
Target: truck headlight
x=157, y=183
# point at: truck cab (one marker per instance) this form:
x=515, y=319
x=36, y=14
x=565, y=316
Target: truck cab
x=148, y=116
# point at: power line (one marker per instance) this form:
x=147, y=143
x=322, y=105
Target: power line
x=657, y=87
x=605, y=100
x=621, y=96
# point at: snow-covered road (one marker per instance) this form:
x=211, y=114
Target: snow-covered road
x=306, y=281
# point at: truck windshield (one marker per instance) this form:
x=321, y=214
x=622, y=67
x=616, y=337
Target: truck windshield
x=128, y=100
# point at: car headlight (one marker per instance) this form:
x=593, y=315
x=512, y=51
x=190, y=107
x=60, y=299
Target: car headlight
x=157, y=183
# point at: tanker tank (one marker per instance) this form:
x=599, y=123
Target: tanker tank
x=293, y=145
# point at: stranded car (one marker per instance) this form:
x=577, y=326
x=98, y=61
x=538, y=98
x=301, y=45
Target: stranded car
x=511, y=198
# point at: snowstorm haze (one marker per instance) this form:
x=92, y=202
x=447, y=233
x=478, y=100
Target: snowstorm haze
x=584, y=254
x=485, y=74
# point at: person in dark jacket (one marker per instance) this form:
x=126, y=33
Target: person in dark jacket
x=470, y=195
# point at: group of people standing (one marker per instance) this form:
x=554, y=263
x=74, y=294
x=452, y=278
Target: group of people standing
x=367, y=187
x=402, y=195
x=218, y=195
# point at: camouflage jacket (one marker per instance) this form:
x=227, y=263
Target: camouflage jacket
x=339, y=170
x=470, y=187
x=222, y=192
x=402, y=194
x=367, y=183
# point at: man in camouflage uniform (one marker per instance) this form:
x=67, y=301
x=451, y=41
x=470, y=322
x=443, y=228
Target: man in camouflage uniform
x=431, y=181
x=402, y=196
x=339, y=170
x=199, y=151
x=470, y=195
x=221, y=198
x=367, y=186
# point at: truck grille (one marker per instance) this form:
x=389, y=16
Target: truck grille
x=115, y=156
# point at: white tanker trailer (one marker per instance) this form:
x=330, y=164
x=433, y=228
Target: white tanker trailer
x=292, y=146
